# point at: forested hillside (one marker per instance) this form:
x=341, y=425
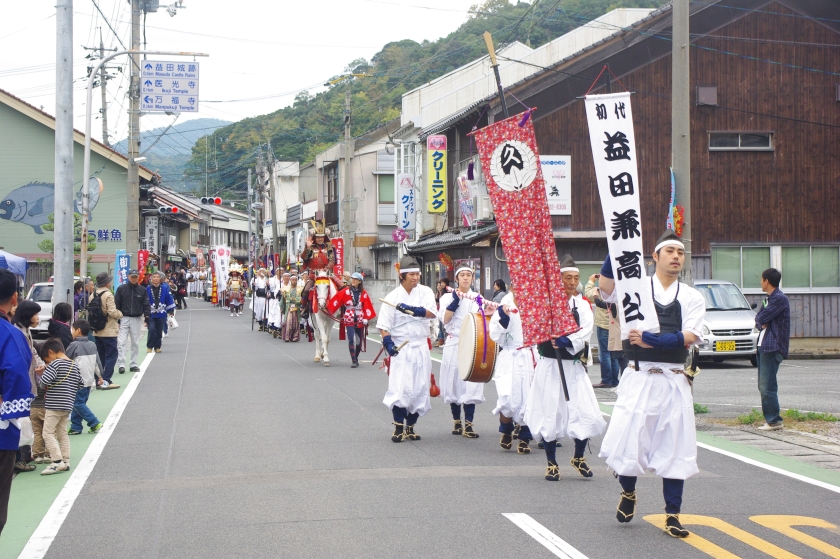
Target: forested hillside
x=314, y=122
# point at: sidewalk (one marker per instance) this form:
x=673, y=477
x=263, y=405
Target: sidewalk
x=33, y=494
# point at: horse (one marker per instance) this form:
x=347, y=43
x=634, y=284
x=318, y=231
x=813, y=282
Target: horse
x=322, y=322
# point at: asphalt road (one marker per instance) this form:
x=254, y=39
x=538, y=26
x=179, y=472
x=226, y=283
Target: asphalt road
x=238, y=445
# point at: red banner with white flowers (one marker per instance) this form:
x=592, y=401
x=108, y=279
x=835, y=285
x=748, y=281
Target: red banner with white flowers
x=511, y=164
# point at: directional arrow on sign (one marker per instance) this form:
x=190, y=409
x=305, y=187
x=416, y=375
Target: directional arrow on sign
x=148, y=99
x=147, y=66
x=148, y=83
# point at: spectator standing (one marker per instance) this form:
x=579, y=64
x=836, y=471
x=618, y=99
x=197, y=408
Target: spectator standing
x=442, y=284
x=499, y=291
x=26, y=317
x=83, y=352
x=15, y=360
x=106, y=338
x=773, y=342
x=78, y=298
x=59, y=324
x=132, y=301
x=61, y=380
x=181, y=289
x=161, y=304
x=610, y=369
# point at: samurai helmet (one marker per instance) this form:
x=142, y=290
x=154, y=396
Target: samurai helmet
x=319, y=228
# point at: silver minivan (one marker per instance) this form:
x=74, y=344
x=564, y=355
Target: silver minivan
x=729, y=329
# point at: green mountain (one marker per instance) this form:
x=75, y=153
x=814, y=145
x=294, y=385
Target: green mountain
x=314, y=122
x=170, y=155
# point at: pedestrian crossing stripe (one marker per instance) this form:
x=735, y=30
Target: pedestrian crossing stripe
x=780, y=523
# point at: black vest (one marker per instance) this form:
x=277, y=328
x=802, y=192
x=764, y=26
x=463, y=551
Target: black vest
x=670, y=321
x=545, y=349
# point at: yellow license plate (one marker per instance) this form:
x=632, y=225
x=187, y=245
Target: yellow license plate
x=724, y=346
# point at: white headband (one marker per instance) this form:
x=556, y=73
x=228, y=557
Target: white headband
x=569, y=269
x=409, y=270
x=669, y=242
x=461, y=269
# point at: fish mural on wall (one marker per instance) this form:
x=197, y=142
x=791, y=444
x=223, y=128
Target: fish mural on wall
x=32, y=203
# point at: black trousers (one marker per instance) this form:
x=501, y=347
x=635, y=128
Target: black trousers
x=7, y=470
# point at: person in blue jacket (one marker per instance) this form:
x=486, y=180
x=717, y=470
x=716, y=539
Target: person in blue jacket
x=15, y=358
x=162, y=304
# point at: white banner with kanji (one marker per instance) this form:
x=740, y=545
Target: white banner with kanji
x=614, y=153
x=220, y=256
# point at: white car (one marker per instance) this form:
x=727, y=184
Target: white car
x=729, y=329
x=42, y=294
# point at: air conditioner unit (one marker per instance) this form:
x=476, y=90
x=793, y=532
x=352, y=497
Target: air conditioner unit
x=483, y=207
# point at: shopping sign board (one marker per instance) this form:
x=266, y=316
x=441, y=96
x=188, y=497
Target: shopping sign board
x=167, y=86
x=557, y=174
x=436, y=152
x=338, y=247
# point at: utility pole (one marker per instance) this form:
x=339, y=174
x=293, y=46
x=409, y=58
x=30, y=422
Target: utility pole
x=64, y=231
x=250, y=235
x=681, y=122
x=275, y=247
x=349, y=251
x=132, y=221
x=102, y=78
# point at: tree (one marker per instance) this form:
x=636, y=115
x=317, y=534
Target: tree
x=47, y=245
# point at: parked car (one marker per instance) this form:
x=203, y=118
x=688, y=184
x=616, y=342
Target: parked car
x=42, y=294
x=729, y=329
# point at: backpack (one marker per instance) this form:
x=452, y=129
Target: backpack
x=95, y=315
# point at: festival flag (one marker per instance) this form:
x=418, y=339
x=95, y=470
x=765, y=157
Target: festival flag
x=510, y=160
x=142, y=262
x=614, y=153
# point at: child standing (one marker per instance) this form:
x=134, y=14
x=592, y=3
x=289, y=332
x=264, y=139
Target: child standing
x=61, y=380
x=83, y=352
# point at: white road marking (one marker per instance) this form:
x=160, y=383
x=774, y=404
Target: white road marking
x=767, y=467
x=42, y=538
x=548, y=539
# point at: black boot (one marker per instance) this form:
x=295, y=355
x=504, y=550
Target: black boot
x=398, y=435
x=468, y=430
x=626, y=507
x=552, y=472
x=456, y=417
x=458, y=429
x=506, y=429
x=673, y=527
x=410, y=434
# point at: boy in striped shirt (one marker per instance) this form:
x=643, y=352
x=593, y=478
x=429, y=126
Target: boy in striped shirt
x=61, y=380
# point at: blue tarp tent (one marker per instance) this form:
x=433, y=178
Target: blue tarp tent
x=15, y=264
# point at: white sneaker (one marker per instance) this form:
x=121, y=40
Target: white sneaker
x=769, y=427
x=54, y=468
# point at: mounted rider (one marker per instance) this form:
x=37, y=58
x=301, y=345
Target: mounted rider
x=318, y=254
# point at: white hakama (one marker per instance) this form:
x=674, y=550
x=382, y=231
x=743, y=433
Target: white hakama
x=514, y=372
x=275, y=313
x=411, y=369
x=547, y=412
x=452, y=388
x=652, y=424
x=259, y=304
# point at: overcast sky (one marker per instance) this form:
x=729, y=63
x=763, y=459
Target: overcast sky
x=257, y=48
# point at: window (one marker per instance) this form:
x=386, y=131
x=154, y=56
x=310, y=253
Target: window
x=740, y=141
x=331, y=177
x=802, y=267
x=386, y=189
x=193, y=237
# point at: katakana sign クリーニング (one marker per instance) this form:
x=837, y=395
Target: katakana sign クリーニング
x=436, y=152
x=167, y=86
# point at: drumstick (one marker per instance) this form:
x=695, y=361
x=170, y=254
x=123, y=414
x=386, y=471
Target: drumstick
x=387, y=303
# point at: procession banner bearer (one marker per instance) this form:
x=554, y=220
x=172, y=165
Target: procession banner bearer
x=456, y=392
x=275, y=313
x=547, y=413
x=652, y=425
x=411, y=367
x=259, y=298
x=513, y=375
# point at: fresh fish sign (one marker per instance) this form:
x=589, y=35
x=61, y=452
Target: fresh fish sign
x=32, y=203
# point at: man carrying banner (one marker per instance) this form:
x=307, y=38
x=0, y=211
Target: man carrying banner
x=404, y=324
x=514, y=373
x=456, y=392
x=547, y=411
x=652, y=425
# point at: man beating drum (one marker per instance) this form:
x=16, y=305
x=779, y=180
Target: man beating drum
x=456, y=392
